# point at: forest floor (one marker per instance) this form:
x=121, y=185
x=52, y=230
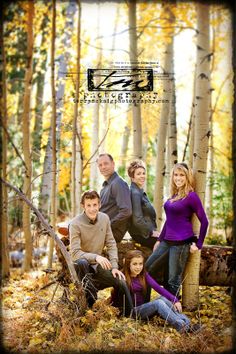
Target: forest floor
x=33, y=322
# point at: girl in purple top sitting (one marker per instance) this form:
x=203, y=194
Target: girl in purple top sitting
x=140, y=284
x=176, y=238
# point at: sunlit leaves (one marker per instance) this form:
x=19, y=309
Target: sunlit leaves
x=28, y=326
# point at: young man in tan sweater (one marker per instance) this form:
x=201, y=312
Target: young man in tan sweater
x=90, y=232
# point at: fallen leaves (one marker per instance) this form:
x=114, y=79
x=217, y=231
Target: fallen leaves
x=31, y=327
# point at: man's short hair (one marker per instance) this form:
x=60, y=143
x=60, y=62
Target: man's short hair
x=90, y=194
x=105, y=154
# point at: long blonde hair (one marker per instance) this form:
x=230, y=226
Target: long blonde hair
x=177, y=194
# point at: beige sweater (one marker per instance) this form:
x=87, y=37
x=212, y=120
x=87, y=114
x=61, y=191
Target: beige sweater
x=88, y=240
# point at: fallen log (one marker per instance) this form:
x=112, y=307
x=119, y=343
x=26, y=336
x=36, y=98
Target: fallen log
x=216, y=267
x=216, y=262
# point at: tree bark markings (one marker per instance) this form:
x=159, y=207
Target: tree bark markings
x=201, y=141
x=26, y=137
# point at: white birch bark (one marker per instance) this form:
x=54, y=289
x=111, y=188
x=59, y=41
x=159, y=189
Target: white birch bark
x=45, y=193
x=27, y=189
x=201, y=141
x=93, y=182
x=53, y=174
x=77, y=154
x=162, y=134
x=136, y=109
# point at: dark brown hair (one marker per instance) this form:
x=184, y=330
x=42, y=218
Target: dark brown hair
x=126, y=269
x=133, y=166
x=90, y=194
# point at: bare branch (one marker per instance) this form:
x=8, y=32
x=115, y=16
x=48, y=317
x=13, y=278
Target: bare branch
x=49, y=229
x=86, y=164
x=11, y=141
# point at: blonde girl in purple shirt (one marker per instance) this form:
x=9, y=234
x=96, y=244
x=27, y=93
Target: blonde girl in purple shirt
x=177, y=238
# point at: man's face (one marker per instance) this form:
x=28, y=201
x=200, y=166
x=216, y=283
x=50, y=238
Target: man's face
x=106, y=166
x=91, y=208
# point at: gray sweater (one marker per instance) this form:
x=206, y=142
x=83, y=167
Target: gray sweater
x=87, y=239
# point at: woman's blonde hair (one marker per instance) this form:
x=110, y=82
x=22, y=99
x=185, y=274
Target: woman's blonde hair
x=133, y=166
x=175, y=193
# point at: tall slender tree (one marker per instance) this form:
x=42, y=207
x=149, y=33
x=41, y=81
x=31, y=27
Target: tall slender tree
x=164, y=119
x=189, y=144
x=93, y=181
x=40, y=86
x=201, y=141
x=77, y=154
x=172, y=149
x=133, y=54
x=26, y=137
x=45, y=192
x=53, y=204
x=3, y=156
x=105, y=121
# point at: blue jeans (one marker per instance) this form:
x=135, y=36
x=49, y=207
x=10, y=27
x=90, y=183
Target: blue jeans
x=177, y=260
x=163, y=307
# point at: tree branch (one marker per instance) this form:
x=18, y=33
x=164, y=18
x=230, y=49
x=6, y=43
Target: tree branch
x=86, y=164
x=50, y=231
x=11, y=141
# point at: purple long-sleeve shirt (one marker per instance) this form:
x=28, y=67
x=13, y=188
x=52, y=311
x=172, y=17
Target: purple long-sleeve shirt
x=137, y=290
x=178, y=224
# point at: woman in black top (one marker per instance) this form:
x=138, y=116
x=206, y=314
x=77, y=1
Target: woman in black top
x=142, y=227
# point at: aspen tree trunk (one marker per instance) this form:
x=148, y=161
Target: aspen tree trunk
x=187, y=144
x=93, y=182
x=26, y=138
x=40, y=82
x=162, y=133
x=172, y=131
x=105, y=108
x=45, y=193
x=172, y=150
x=201, y=140
x=145, y=142
x=190, y=134
x=211, y=176
x=168, y=86
x=211, y=142
x=191, y=141
x=124, y=145
x=77, y=154
x=53, y=204
x=3, y=156
x=136, y=109
x=121, y=166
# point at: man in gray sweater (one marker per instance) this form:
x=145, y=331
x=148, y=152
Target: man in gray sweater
x=90, y=232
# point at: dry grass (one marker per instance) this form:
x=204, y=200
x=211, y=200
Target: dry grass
x=29, y=327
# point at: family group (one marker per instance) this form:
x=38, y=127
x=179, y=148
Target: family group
x=105, y=219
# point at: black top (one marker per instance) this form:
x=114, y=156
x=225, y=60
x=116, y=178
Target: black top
x=143, y=220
